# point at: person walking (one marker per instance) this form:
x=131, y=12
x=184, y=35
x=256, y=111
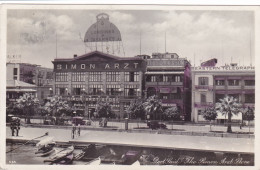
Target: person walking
x=73, y=131
x=12, y=126
x=17, y=127
x=78, y=129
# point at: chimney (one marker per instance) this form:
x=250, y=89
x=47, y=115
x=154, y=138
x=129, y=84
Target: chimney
x=75, y=55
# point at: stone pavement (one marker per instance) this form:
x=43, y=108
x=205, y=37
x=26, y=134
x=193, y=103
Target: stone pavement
x=242, y=145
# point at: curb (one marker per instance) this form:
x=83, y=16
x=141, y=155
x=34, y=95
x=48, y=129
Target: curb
x=165, y=132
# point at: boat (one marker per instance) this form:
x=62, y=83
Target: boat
x=64, y=161
x=45, y=147
x=96, y=161
x=61, y=155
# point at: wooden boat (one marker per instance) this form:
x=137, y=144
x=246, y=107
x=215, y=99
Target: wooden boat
x=64, y=161
x=61, y=155
x=45, y=147
x=96, y=161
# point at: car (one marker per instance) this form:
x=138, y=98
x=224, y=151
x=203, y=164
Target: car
x=78, y=120
x=156, y=125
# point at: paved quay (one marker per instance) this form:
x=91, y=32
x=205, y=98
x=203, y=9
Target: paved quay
x=241, y=145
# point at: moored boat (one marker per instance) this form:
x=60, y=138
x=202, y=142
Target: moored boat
x=61, y=155
x=45, y=147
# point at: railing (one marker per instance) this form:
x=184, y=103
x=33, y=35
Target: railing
x=207, y=87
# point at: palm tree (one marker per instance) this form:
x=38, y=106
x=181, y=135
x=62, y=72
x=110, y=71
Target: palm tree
x=228, y=106
x=153, y=106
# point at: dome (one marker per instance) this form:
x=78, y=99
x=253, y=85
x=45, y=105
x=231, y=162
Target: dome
x=103, y=30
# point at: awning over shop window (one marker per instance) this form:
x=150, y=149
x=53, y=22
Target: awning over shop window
x=168, y=90
x=219, y=78
x=20, y=90
x=165, y=73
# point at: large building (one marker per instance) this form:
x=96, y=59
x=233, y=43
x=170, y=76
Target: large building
x=96, y=76
x=211, y=83
x=168, y=77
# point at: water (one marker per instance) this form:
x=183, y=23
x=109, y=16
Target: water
x=146, y=156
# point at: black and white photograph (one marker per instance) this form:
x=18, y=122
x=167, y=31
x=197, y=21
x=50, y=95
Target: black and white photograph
x=133, y=85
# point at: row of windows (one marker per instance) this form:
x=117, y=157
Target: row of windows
x=249, y=98
x=205, y=81
x=164, y=78
x=96, y=89
x=97, y=77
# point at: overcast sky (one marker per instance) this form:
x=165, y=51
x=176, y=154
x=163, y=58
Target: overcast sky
x=202, y=35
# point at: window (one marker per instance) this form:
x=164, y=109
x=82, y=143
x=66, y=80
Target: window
x=165, y=78
x=218, y=97
x=200, y=112
x=78, y=77
x=249, y=82
x=61, y=77
x=220, y=82
x=61, y=89
x=130, y=90
x=153, y=78
x=233, y=82
x=131, y=76
x=175, y=96
x=112, y=76
x=203, y=98
x=77, y=89
x=249, y=98
x=95, y=76
x=112, y=89
x=95, y=89
x=15, y=71
x=177, y=79
x=203, y=81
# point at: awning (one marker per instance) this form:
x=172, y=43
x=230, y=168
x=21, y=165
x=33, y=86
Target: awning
x=20, y=90
x=166, y=72
x=168, y=90
x=234, y=117
x=219, y=78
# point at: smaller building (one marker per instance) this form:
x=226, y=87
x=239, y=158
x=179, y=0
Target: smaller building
x=168, y=77
x=211, y=83
x=40, y=77
x=16, y=88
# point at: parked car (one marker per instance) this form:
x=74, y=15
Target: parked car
x=78, y=120
x=156, y=125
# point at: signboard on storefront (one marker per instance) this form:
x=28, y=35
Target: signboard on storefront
x=225, y=68
x=85, y=65
x=169, y=104
x=91, y=98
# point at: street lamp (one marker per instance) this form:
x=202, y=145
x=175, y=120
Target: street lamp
x=51, y=92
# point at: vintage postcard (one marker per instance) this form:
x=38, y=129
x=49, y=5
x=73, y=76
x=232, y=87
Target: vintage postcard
x=137, y=86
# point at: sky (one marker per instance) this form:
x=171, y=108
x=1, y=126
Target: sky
x=196, y=35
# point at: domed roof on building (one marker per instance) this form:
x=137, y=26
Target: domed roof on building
x=103, y=30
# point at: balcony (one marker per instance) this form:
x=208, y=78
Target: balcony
x=203, y=87
x=164, y=83
x=203, y=104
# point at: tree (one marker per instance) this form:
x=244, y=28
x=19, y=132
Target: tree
x=55, y=106
x=153, y=107
x=28, y=103
x=228, y=106
x=249, y=115
x=172, y=113
x=104, y=110
x=209, y=114
x=136, y=109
